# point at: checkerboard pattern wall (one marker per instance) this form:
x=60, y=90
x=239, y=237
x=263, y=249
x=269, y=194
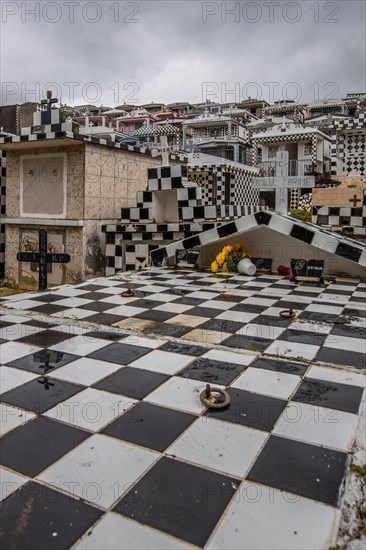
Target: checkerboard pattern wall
x=2, y=210
x=351, y=220
x=349, y=145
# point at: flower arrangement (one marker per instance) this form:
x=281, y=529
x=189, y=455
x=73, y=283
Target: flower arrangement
x=229, y=258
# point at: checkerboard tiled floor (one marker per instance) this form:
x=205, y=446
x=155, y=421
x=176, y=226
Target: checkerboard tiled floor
x=105, y=443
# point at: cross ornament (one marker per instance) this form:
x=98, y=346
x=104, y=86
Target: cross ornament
x=355, y=200
x=282, y=182
x=163, y=151
x=49, y=100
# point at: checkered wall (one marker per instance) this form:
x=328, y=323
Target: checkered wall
x=353, y=219
x=284, y=139
x=2, y=210
x=349, y=145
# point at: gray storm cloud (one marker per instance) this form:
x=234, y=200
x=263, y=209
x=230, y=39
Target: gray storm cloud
x=113, y=52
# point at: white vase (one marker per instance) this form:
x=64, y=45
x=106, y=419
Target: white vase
x=246, y=267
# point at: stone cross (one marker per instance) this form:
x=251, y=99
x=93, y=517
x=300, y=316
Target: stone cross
x=49, y=100
x=281, y=182
x=164, y=151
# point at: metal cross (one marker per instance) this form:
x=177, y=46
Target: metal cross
x=48, y=102
x=355, y=200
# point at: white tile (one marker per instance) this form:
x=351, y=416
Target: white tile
x=116, y=532
x=345, y=343
x=99, y=470
x=12, y=417
x=204, y=336
x=85, y=371
x=81, y=345
x=10, y=482
x=187, y=320
x=152, y=289
x=163, y=297
x=349, y=288
x=25, y=304
x=239, y=316
x=202, y=295
x=69, y=291
x=179, y=393
x=261, y=331
x=11, y=378
x=316, y=328
x=73, y=313
x=259, y=301
x=162, y=361
x=322, y=308
x=230, y=357
x=173, y=308
x=91, y=409
x=118, y=300
x=222, y=446
x=137, y=340
x=73, y=302
x=113, y=291
x=335, y=375
x=10, y=318
x=257, y=284
x=14, y=350
x=14, y=332
x=262, y=518
x=292, y=349
x=218, y=304
x=311, y=289
x=126, y=311
x=313, y=424
x=72, y=329
x=268, y=382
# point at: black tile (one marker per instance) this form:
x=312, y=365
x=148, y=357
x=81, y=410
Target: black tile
x=227, y=297
x=318, y=316
x=35, y=513
x=249, y=308
x=341, y=357
x=49, y=309
x=104, y=335
x=45, y=338
x=5, y=324
x=342, y=397
x=94, y=295
x=350, y=312
x=329, y=290
x=132, y=382
x=302, y=469
x=303, y=337
x=250, y=409
x=40, y=394
x=247, y=342
x=150, y=426
x=92, y=288
x=295, y=305
x=227, y=229
x=146, y=303
x=203, y=312
x=185, y=349
x=352, y=331
x=208, y=370
x=155, y=315
x=221, y=325
x=278, y=365
x=350, y=252
x=33, y=447
x=188, y=301
x=43, y=361
x=177, y=498
x=100, y=307
x=40, y=324
x=272, y=321
x=105, y=318
x=263, y=218
x=123, y=354
x=49, y=298
x=167, y=329
x=302, y=234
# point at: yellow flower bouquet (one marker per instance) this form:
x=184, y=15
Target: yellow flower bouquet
x=229, y=257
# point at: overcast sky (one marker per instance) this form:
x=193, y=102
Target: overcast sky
x=111, y=52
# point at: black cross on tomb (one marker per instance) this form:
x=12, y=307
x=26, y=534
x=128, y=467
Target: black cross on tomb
x=43, y=257
x=49, y=100
x=355, y=200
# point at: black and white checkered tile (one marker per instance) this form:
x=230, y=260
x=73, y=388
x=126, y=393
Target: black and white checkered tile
x=2, y=210
x=349, y=145
x=303, y=231
x=354, y=219
x=104, y=428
